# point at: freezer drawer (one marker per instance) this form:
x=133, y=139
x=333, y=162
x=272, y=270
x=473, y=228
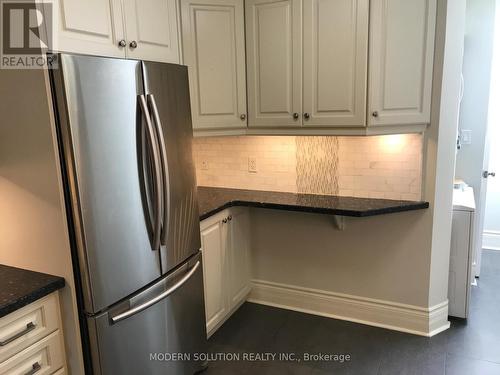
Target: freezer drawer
x=138, y=336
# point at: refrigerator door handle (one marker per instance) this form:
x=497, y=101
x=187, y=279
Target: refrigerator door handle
x=158, y=201
x=164, y=159
x=137, y=309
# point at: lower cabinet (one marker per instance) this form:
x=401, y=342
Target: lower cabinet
x=31, y=339
x=226, y=264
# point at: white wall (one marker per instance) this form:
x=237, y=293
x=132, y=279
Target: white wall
x=33, y=231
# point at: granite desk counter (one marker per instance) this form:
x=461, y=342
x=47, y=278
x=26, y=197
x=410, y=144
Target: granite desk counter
x=19, y=287
x=213, y=200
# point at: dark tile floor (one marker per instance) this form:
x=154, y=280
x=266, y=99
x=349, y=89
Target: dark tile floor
x=468, y=348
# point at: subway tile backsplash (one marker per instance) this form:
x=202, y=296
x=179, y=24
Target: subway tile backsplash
x=375, y=167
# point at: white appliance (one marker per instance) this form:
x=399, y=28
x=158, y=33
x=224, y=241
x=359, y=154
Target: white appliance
x=461, y=253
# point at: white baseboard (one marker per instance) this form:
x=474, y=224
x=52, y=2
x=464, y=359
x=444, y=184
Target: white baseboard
x=395, y=316
x=491, y=240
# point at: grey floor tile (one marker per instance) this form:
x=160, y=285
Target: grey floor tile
x=470, y=347
x=457, y=365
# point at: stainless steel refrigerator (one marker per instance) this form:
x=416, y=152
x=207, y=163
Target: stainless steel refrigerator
x=125, y=142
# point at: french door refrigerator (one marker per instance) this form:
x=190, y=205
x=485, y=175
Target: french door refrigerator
x=125, y=134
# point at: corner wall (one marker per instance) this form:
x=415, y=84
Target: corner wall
x=33, y=230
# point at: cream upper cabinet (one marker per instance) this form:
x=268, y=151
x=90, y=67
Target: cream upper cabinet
x=92, y=27
x=274, y=62
x=335, y=62
x=140, y=29
x=401, y=61
x=213, y=37
x=152, y=32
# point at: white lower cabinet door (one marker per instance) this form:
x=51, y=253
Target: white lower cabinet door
x=238, y=257
x=213, y=252
x=152, y=32
x=226, y=264
x=42, y=358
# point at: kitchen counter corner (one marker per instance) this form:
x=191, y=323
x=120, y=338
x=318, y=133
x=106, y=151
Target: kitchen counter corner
x=19, y=287
x=212, y=200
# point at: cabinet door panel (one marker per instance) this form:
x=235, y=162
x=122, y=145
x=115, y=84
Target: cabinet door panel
x=212, y=247
x=89, y=27
x=274, y=61
x=335, y=62
x=401, y=58
x=152, y=24
x=214, y=50
x=238, y=257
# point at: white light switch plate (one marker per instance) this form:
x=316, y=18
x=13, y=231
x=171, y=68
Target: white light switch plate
x=466, y=136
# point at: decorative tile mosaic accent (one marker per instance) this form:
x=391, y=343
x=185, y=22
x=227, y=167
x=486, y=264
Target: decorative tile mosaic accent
x=317, y=165
x=374, y=167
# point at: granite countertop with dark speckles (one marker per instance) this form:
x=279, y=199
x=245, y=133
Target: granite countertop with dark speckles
x=19, y=287
x=212, y=200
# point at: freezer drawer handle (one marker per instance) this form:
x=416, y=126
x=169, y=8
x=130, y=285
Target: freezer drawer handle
x=158, y=214
x=158, y=298
x=29, y=327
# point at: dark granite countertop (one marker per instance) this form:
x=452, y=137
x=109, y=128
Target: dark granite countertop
x=212, y=200
x=19, y=287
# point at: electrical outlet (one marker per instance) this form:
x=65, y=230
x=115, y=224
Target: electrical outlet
x=204, y=165
x=252, y=165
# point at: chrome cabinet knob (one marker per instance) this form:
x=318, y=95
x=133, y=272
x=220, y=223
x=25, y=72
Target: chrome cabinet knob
x=243, y=117
x=487, y=174
x=122, y=43
x=375, y=114
x=306, y=116
x=133, y=44
x=224, y=220
x=230, y=217
x=295, y=116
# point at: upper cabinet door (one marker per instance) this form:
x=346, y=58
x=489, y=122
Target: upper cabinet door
x=401, y=61
x=274, y=55
x=213, y=37
x=335, y=62
x=93, y=27
x=151, y=28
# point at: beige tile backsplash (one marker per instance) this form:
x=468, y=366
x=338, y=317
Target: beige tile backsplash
x=376, y=167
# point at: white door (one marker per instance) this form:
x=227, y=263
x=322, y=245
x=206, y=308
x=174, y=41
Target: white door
x=92, y=27
x=274, y=62
x=238, y=257
x=213, y=35
x=401, y=61
x=335, y=62
x=151, y=28
x=213, y=252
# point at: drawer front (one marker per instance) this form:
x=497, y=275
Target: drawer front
x=26, y=326
x=42, y=358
